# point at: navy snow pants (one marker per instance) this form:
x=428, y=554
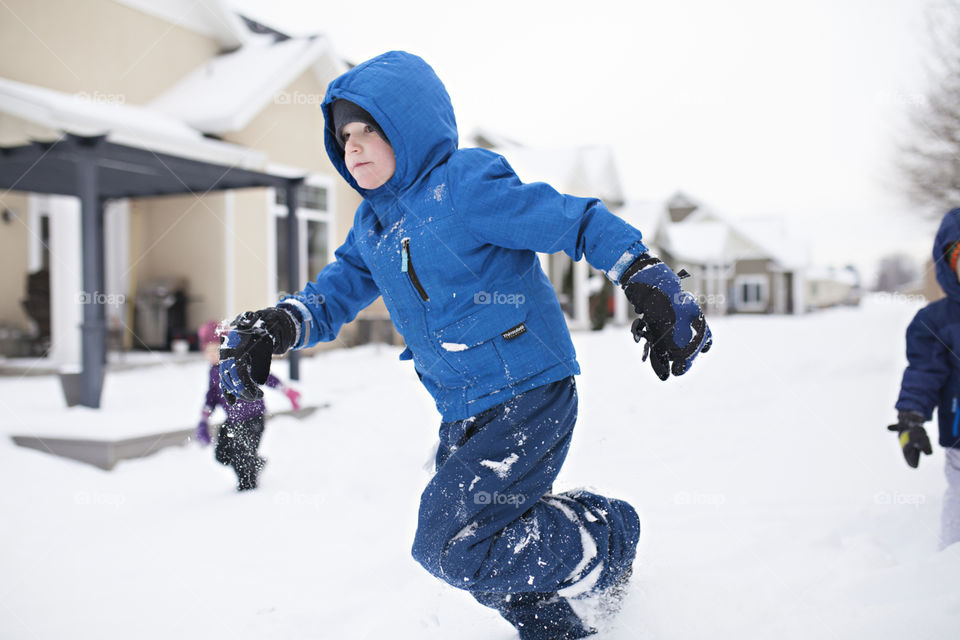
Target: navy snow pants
x=489, y=522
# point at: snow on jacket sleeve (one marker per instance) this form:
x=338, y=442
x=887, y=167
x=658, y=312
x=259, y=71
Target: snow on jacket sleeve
x=503, y=211
x=340, y=291
x=928, y=367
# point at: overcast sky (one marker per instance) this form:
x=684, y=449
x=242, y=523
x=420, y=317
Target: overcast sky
x=756, y=107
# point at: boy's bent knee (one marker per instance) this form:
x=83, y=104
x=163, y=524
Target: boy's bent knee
x=457, y=565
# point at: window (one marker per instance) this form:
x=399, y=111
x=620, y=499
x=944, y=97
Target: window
x=752, y=292
x=38, y=252
x=315, y=233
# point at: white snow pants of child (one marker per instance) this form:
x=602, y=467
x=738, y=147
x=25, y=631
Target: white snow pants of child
x=950, y=521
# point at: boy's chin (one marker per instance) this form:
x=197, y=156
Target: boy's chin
x=371, y=182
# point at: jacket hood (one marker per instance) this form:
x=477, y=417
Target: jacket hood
x=949, y=232
x=411, y=105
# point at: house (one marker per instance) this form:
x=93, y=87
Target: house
x=588, y=171
x=742, y=266
x=172, y=89
x=831, y=287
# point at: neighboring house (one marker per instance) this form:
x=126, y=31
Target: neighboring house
x=742, y=266
x=186, y=79
x=582, y=171
x=831, y=287
x=928, y=288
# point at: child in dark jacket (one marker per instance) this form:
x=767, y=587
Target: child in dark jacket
x=449, y=237
x=932, y=377
x=239, y=437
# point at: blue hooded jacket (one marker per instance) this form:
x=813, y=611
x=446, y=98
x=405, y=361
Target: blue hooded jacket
x=932, y=377
x=450, y=243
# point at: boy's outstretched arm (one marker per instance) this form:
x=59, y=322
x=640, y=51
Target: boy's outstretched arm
x=313, y=315
x=926, y=373
x=501, y=210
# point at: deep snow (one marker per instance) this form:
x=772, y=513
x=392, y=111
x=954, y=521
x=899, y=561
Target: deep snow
x=774, y=503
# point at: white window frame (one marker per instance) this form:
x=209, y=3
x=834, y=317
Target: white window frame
x=39, y=207
x=762, y=281
x=304, y=215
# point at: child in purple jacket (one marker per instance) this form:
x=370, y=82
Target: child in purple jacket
x=239, y=436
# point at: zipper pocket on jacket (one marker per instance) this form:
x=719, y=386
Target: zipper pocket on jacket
x=406, y=265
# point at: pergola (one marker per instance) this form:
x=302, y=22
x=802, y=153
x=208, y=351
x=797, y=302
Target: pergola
x=95, y=171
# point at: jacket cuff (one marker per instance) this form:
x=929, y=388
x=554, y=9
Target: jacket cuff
x=624, y=261
x=302, y=320
x=909, y=407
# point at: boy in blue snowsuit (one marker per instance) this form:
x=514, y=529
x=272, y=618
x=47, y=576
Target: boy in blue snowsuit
x=932, y=377
x=449, y=238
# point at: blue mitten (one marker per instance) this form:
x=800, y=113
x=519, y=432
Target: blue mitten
x=670, y=318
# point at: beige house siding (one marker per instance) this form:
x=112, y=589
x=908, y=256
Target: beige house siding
x=180, y=237
x=251, y=251
x=132, y=58
x=931, y=288
x=744, y=267
x=111, y=52
x=290, y=130
x=14, y=247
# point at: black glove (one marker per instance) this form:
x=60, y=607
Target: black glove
x=247, y=349
x=670, y=318
x=913, y=437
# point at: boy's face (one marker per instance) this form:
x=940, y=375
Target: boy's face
x=369, y=158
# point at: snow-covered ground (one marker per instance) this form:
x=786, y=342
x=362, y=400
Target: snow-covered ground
x=774, y=503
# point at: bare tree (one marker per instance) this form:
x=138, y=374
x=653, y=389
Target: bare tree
x=930, y=159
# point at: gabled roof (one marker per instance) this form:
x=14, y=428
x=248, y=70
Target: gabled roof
x=44, y=114
x=220, y=96
x=709, y=236
x=589, y=172
x=225, y=93
x=214, y=18
x=645, y=215
x=772, y=237
x=697, y=242
x=845, y=275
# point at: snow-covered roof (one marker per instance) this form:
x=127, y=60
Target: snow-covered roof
x=226, y=92
x=58, y=113
x=748, y=238
x=214, y=18
x=832, y=274
x=580, y=171
x=220, y=96
x=697, y=242
x=645, y=215
x=773, y=237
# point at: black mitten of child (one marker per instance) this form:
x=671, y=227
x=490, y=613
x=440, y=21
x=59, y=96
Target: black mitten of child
x=913, y=437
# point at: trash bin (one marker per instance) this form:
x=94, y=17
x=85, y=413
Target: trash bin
x=160, y=309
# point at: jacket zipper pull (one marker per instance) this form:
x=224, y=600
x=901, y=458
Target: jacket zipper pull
x=404, y=255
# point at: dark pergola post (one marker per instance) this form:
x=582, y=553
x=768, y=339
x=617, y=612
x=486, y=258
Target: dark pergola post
x=293, y=256
x=93, y=329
